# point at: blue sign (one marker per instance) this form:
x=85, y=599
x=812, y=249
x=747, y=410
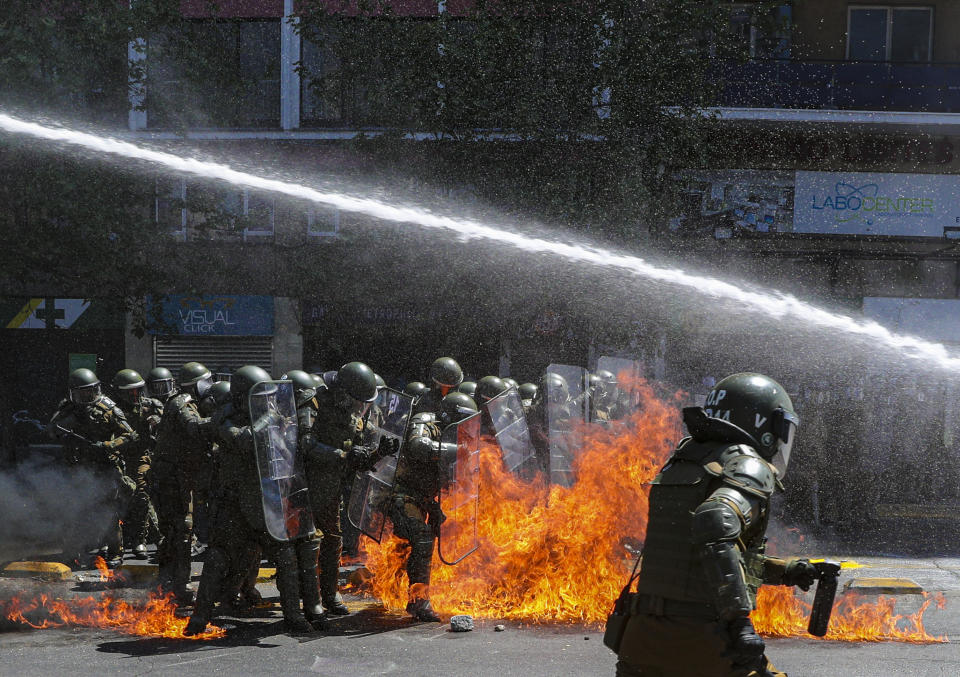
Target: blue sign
x=218, y=315
x=852, y=203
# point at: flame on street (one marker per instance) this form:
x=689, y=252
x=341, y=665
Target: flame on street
x=551, y=554
x=154, y=618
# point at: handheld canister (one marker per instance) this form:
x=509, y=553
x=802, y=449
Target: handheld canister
x=828, y=577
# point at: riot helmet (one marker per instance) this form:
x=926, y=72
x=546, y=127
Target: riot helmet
x=456, y=406
x=489, y=387
x=195, y=378
x=510, y=383
x=607, y=387
x=415, y=389
x=356, y=388
x=761, y=408
x=129, y=385
x=242, y=380
x=217, y=396
x=446, y=374
x=592, y=382
x=467, y=388
x=160, y=383
x=84, y=386
x=528, y=391
x=304, y=385
x=554, y=387
x=381, y=384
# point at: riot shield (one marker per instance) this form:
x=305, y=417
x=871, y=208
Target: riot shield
x=283, y=485
x=373, y=490
x=460, y=493
x=567, y=412
x=510, y=427
x=628, y=373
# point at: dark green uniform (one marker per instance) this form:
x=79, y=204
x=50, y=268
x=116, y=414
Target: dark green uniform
x=141, y=517
x=332, y=444
x=104, y=425
x=239, y=524
x=180, y=463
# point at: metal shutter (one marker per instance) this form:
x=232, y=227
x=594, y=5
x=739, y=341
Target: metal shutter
x=213, y=352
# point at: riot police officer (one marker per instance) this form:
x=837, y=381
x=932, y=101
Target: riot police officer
x=160, y=384
x=445, y=375
x=416, y=513
x=703, y=558
x=333, y=451
x=468, y=388
x=96, y=435
x=143, y=413
x=240, y=520
x=182, y=467
x=528, y=393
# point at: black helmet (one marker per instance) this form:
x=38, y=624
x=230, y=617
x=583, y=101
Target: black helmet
x=415, y=389
x=358, y=381
x=761, y=408
x=528, y=391
x=607, y=386
x=242, y=380
x=129, y=384
x=489, y=387
x=160, y=383
x=196, y=377
x=510, y=383
x=84, y=386
x=554, y=387
x=304, y=385
x=446, y=372
x=456, y=406
x=467, y=388
x=216, y=397
x=381, y=384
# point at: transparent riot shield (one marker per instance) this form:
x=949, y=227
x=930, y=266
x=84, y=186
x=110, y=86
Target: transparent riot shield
x=510, y=427
x=568, y=404
x=283, y=486
x=373, y=490
x=629, y=373
x=460, y=493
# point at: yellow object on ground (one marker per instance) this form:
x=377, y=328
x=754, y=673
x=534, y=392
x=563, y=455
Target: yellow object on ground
x=50, y=571
x=883, y=586
x=266, y=574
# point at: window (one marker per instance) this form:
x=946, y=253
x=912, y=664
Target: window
x=765, y=36
x=889, y=34
x=323, y=221
x=218, y=213
x=170, y=210
x=215, y=74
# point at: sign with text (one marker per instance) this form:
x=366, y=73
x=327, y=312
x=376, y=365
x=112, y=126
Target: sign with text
x=218, y=315
x=856, y=203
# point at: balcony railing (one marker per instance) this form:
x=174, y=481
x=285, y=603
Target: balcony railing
x=842, y=85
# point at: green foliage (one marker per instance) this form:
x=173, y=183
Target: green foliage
x=605, y=98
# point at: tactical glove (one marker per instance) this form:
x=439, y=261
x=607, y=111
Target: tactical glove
x=746, y=645
x=801, y=573
x=388, y=446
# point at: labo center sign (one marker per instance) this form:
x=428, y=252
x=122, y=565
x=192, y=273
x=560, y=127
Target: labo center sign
x=853, y=203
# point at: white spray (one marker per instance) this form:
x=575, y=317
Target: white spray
x=771, y=304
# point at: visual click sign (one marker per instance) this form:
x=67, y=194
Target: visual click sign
x=857, y=203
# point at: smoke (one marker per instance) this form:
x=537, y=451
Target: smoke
x=44, y=503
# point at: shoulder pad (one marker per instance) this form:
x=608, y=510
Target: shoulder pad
x=750, y=474
x=105, y=403
x=423, y=417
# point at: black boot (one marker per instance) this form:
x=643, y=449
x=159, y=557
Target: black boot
x=422, y=611
x=307, y=551
x=329, y=574
x=288, y=584
x=211, y=580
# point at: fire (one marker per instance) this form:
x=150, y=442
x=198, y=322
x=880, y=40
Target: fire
x=156, y=618
x=551, y=554
x=781, y=613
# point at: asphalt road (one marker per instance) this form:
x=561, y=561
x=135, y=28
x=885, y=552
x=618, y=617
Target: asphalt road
x=373, y=642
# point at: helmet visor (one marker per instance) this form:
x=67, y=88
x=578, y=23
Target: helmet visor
x=203, y=385
x=785, y=428
x=85, y=395
x=353, y=406
x=160, y=388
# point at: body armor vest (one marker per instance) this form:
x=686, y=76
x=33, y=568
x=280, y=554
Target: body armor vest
x=671, y=566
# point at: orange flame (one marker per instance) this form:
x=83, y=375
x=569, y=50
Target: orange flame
x=555, y=554
x=156, y=618
x=101, y=565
